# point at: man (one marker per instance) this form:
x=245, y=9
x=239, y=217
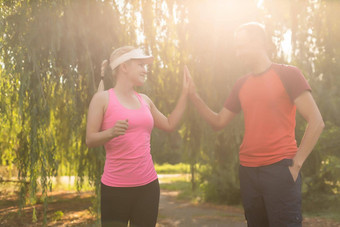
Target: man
x=270, y=160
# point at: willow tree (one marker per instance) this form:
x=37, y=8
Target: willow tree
x=51, y=53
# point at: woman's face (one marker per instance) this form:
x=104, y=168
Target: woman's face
x=136, y=71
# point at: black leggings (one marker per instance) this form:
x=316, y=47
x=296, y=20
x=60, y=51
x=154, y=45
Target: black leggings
x=137, y=204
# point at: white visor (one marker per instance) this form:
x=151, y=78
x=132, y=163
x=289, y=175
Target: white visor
x=133, y=54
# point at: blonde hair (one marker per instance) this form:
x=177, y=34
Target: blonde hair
x=114, y=55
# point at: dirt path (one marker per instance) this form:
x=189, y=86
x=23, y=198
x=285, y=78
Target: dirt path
x=68, y=208
x=174, y=213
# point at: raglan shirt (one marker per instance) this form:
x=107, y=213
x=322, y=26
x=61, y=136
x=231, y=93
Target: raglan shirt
x=267, y=101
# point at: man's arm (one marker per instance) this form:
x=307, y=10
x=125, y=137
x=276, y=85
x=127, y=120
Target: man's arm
x=307, y=107
x=216, y=120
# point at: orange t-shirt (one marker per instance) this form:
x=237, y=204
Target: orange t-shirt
x=267, y=101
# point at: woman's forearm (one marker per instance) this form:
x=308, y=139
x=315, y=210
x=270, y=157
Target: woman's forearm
x=98, y=138
x=177, y=114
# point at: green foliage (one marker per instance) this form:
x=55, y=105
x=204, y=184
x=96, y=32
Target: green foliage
x=57, y=215
x=166, y=147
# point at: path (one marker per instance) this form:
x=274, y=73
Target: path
x=72, y=209
x=174, y=213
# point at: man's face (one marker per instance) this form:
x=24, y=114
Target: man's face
x=247, y=49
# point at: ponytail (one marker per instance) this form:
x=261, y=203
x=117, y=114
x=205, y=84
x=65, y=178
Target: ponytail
x=108, y=81
x=102, y=74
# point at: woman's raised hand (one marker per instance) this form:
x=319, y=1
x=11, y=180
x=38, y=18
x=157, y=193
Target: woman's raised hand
x=186, y=80
x=189, y=82
x=120, y=128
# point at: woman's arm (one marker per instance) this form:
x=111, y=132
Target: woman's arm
x=95, y=137
x=170, y=123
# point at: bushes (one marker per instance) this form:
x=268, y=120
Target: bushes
x=220, y=184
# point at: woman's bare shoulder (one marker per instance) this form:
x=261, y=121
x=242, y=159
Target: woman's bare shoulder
x=146, y=98
x=101, y=98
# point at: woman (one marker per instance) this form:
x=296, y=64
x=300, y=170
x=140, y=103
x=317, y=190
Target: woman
x=122, y=120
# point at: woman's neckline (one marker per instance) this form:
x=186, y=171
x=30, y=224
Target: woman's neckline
x=135, y=93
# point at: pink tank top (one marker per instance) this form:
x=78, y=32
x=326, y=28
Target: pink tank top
x=128, y=160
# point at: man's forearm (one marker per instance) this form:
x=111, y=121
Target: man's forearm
x=308, y=142
x=210, y=116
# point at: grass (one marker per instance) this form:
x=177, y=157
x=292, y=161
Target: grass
x=180, y=168
x=69, y=183
x=184, y=190
x=167, y=168
x=180, y=182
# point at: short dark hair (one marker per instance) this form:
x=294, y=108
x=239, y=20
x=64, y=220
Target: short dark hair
x=254, y=30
